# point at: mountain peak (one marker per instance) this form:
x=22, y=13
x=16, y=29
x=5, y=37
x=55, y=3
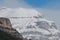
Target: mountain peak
x=30, y=23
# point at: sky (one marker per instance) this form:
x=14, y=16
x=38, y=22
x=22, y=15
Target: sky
x=49, y=8
x=49, y=4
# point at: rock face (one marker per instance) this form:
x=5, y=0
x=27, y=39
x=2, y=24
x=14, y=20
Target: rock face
x=7, y=32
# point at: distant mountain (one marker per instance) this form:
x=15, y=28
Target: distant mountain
x=31, y=24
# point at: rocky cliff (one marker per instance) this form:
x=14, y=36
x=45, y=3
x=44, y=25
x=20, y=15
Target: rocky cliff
x=7, y=32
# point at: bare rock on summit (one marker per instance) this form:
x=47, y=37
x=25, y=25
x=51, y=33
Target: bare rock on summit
x=7, y=32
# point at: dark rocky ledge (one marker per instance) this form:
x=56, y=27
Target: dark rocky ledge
x=7, y=32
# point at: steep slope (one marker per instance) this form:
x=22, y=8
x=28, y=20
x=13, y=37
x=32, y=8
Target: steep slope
x=7, y=32
x=31, y=24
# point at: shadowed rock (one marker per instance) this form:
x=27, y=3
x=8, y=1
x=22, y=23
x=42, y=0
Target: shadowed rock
x=7, y=32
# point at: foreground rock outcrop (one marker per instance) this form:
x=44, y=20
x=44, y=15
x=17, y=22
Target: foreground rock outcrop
x=7, y=32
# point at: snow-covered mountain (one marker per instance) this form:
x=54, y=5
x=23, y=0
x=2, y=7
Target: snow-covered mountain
x=31, y=23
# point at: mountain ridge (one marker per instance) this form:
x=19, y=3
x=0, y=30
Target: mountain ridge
x=31, y=24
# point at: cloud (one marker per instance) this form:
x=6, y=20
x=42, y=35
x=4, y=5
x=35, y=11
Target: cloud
x=13, y=3
x=18, y=12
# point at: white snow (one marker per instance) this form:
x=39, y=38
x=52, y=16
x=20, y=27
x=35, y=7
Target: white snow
x=54, y=31
x=45, y=32
x=21, y=18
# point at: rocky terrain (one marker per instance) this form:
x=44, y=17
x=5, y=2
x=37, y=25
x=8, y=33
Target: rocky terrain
x=7, y=32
